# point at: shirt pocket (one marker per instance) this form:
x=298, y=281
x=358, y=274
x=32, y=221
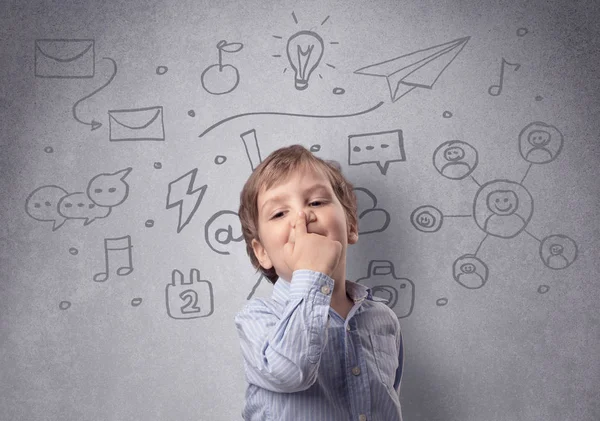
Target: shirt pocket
x=386, y=357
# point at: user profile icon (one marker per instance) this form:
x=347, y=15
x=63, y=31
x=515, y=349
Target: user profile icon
x=455, y=159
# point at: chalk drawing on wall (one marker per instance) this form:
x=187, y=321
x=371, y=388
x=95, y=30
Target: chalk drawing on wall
x=185, y=193
x=397, y=293
x=521, y=32
x=161, y=70
x=219, y=78
x=455, y=159
x=558, y=251
x=189, y=299
x=470, y=271
x=94, y=124
x=419, y=69
x=370, y=218
x=117, y=258
x=255, y=286
x=496, y=90
x=502, y=208
x=304, y=51
x=136, y=124
x=64, y=58
x=540, y=143
x=427, y=218
x=251, y=147
x=52, y=203
x=217, y=124
x=227, y=229
x=381, y=148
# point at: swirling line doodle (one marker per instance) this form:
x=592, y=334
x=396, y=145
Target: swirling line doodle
x=117, y=254
x=191, y=299
x=501, y=208
x=95, y=124
x=186, y=194
x=227, y=227
x=419, y=69
x=371, y=218
x=54, y=204
x=397, y=293
x=381, y=148
x=304, y=51
x=219, y=79
x=217, y=124
x=136, y=124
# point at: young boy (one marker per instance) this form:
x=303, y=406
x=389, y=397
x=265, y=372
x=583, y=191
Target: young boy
x=321, y=349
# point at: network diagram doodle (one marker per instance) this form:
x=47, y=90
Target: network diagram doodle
x=419, y=69
x=54, y=204
x=304, y=51
x=501, y=208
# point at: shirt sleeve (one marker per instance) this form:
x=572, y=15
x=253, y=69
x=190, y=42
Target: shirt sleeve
x=282, y=349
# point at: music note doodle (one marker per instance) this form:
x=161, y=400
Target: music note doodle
x=117, y=254
x=495, y=90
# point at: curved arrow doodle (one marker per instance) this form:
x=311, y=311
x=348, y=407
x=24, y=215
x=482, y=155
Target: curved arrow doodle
x=289, y=114
x=95, y=124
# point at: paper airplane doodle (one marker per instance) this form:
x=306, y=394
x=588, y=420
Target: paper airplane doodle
x=419, y=69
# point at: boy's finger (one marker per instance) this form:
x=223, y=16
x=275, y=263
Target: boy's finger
x=300, y=224
x=292, y=236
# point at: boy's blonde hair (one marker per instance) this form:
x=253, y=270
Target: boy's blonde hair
x=275, y=169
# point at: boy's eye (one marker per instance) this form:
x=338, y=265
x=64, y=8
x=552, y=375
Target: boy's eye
x=314, y=202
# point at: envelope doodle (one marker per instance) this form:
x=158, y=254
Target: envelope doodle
x=64, y=58
x=136, y=124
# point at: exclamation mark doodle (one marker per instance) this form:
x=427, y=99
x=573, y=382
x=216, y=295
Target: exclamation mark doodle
x=252, y=150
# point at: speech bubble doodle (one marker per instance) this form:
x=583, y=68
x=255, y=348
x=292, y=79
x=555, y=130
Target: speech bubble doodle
x=381, y=148
x=79, y=206
x=109, y=189
x=228, y=230
x=42, y=205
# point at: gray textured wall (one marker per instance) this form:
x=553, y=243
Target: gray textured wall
x=119, y=184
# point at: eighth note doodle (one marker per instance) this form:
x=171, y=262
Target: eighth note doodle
x=495, y=90
x=117, y=254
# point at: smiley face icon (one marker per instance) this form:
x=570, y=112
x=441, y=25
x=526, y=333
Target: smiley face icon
x=540, y=143
x=427, y=218
x=470, y=271
x=455, y=159
x=558, y=251
x=502, y=208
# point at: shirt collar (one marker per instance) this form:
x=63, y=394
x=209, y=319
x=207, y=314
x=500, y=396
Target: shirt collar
x=356, y=292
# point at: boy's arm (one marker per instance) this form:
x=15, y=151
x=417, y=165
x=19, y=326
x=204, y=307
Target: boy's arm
x=400, y=368
x=282, y=351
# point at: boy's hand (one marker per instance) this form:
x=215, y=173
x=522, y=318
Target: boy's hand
x=310, y=251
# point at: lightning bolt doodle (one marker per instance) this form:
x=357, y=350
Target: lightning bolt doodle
x=184, y=193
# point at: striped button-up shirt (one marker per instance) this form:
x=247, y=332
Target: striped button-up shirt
x=305, y=362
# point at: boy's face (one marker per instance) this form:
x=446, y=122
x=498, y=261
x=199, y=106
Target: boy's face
x=278, y=208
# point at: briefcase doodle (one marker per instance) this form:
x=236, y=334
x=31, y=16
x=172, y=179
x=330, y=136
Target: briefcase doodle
x=64, y=58
x=191, y=299
x=397, y=293
x=136, y=124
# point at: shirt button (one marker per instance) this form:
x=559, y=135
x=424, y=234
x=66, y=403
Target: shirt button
x=348, y=328
x=325, y=289
x=356, y=371
x=362, y=417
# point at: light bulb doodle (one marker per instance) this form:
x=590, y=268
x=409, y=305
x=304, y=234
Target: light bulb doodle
x=304, y=52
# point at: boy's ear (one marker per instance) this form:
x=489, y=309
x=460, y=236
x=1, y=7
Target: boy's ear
x=261, y=254
x=352, y=235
